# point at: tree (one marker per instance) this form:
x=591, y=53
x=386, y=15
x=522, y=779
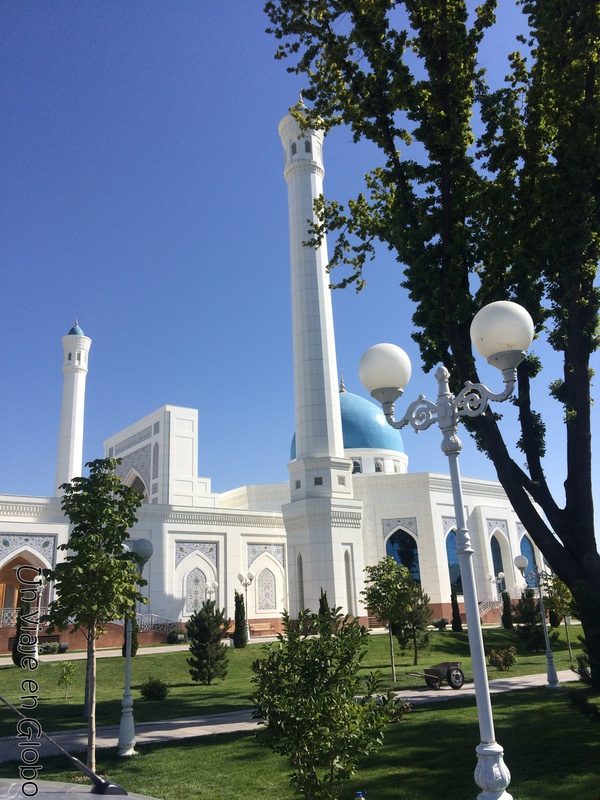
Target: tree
x=558, y=599
x=315, y=708
x=28, y=641
x=97, y=582
x=135, y=635
x=410, y=627
x=497, y=199
x=384, y=595
x=456, y=620
x=240, y=631
x=507, y=612
x=206, y=629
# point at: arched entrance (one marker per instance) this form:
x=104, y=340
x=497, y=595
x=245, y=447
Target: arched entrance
x=11, y=587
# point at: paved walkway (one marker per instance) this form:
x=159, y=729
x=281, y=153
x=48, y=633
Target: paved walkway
x=75, y=741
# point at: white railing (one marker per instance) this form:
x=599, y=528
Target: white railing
x=153, y=622
x=8, y=617
x=489, y=605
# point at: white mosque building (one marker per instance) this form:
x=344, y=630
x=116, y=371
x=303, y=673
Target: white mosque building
x=350, y=499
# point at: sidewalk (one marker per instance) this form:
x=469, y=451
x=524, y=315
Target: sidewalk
x=75, y=741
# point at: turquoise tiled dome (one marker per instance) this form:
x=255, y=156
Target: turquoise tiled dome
x=76, y=331
x=363, y=427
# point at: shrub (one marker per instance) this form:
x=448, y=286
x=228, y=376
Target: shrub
x=135, y=630
x=240, y=631
x=315, y=707
x=206, y=628
x=154, y=689
x=48, y=648
x=440, y=624
x=173, y=636
x=456, y=620
x=67, y=673
x=503, y=659
x=507, y=612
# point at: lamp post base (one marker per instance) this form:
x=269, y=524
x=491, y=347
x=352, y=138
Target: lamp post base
x=491, y=773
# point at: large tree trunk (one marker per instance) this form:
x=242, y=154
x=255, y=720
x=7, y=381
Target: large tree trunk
x=91, y=681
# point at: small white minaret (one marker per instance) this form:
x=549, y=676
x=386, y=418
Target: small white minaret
x=323, y=521
x=76, y=348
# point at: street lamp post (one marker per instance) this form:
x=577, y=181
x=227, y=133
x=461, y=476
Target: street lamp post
x=140, y=550
x=246, y=581
x=539, y=577
x=211, y=589
x=501, y=332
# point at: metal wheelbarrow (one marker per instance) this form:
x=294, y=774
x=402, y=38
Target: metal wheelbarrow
x=449, y=671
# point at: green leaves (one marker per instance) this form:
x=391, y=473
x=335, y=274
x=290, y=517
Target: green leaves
x=315, y=708
x=95, y=583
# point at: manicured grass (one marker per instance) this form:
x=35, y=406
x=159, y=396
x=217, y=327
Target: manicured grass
x=187, y=698
x=552, y=751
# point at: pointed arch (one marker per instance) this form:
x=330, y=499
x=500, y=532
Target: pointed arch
x=402, y=547
x=300, y=579
x=527, y=550
x=349, y=583
x=453, y=564
x=135, y=481
x=195, y=590
x=497, y=562
x=266, y=587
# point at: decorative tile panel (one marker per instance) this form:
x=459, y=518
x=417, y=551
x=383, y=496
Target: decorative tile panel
x=183, y=549
x=408, y=523
x=139, y=460
x=255, y=550
x=195, y=590
x=131, y=441
x=497, y=524
x=448, y=523
x=45, y=545
x=266, y=591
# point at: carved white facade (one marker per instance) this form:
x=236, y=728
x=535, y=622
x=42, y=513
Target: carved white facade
x=349, y=500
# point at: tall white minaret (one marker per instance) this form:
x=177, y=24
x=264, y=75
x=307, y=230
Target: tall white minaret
x=323, y=521
x=69, y=464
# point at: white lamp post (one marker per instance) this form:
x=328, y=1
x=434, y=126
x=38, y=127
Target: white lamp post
x=211, y=589
x=140, y=550
x=534, y=574
x=501, y=332
x=246, y=581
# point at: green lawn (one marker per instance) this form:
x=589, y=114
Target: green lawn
x=552, y=751
x=187, y=698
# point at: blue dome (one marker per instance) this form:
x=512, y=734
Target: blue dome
x=363, y=427
x=75, y=331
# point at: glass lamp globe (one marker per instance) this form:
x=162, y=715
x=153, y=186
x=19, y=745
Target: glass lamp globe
x=521, y=563
x=142, y=550
x=500, y=327
x=384, y=366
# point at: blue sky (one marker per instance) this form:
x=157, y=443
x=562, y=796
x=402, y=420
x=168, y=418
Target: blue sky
x=143, y=193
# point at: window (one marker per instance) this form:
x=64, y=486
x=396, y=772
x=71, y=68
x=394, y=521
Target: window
x=155, y=461
x=294, y=148
x=300, y=577
x=529, y=553
x=453, y=565
x=402, y=547
x=379, y=465
x=356, y=466
x=497, y=562
x=307, y=147
x=69, y=356
x=266, y=591
x=341, y=480
x=349, y=583
x=195, y=590
x=318, y=481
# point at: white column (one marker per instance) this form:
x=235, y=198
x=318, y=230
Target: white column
x=317, y=404
x=69, y=463
x=323, y=521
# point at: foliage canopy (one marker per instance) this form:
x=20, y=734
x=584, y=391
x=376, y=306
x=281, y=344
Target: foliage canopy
x=483, y=193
